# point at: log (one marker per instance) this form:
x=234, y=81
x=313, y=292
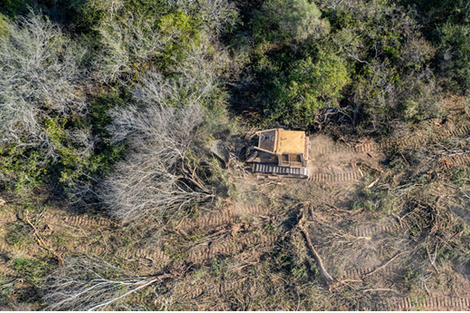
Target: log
x=330, y=281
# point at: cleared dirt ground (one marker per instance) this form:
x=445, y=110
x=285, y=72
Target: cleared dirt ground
x=392, y=237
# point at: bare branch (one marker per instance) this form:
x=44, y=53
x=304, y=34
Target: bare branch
x=90, y=283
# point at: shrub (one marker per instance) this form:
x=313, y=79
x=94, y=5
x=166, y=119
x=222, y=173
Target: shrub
x=296, y=99
x=454, y=55
x=289, y=20
x=41, y=91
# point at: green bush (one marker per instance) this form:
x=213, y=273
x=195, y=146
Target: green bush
x=310, y=86
x=33, y=271
x=284, y=20
x=454, y=55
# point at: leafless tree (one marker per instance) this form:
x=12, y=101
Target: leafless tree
x=40, y=74
x=154, y=179
x=216, y=14
x=127, y=38
x=90, y=283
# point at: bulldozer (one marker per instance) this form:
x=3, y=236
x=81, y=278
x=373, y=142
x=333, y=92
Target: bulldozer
x=276, y=152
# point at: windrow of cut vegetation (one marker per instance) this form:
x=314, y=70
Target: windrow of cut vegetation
x=113, y=196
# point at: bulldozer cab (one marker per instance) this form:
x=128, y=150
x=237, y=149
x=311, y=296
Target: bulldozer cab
x=279, y=150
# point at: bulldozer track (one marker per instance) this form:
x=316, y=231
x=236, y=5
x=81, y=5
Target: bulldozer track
x=359, y=273
x=10, y=217
x=337, y=148
x=361, y=231
x=338, y=177
x=23, y=250
x=431, y=303
x=416, y=141
x=156, y=255
x=251, y=210
x=411, y=141
x=456, y=132
x=228, y=246
x=456, y=160
x=193, y=292
x=222, y=217
x=77, y=220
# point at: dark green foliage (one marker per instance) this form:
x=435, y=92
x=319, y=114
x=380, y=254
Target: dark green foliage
x=13, y=7
x=454, y=55
x=295, y=99
x=284, y=20
x=34, y=271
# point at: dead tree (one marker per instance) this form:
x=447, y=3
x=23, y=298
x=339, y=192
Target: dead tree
x=40, y=71
x=153, y=179
x=216, y=15
x=88, y=283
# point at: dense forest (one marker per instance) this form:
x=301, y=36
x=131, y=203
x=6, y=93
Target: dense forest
x=109, y=109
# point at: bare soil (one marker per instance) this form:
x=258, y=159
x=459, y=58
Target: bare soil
x=248, y=253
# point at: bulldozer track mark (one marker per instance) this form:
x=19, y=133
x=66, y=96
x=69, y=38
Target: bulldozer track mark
x=221, y=289
x=331, y=149
x=77, y=220
x=455, y=160
x=229, y=246
x=431, y=303
x=29, y=250
x=338, y=177
x=371, y=231
x=356, y=273
x=156, y=255
x=456, y=132
x=224, y=217
x=219, y=218
x=251, y=210
x=9, y=218
x=416, y=141
x=360, y=273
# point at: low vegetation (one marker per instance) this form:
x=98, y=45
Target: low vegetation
x=111, y=194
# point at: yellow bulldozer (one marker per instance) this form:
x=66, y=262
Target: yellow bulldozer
x=279, y=153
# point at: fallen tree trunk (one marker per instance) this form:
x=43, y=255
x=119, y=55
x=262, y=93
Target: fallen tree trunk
x=42, y=243
x=330, y=281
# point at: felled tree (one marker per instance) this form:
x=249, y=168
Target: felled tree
x=88, y=283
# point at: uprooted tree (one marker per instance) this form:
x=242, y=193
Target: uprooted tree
x=88, y=283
